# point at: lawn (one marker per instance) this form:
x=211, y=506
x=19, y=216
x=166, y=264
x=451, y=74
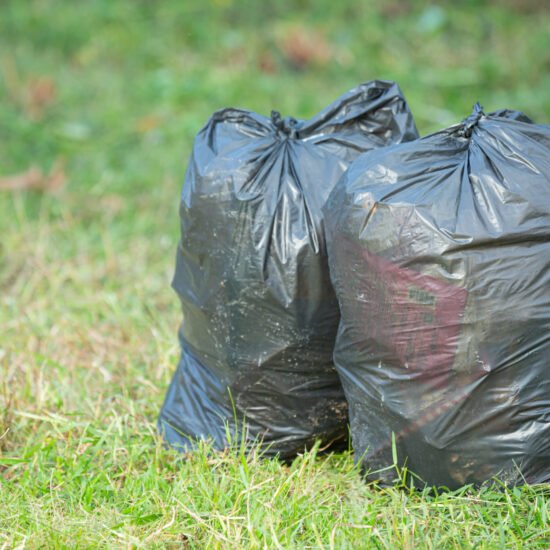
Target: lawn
x=99, y=103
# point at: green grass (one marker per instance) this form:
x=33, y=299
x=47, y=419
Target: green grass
x=115, y=90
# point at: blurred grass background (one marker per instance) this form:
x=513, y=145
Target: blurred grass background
x=98, y=80
x=99, y=103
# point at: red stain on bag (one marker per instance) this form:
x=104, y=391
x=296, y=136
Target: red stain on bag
x=415, y=317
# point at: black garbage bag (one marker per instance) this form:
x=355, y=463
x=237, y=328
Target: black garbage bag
x=260, y=315
x=439, y=253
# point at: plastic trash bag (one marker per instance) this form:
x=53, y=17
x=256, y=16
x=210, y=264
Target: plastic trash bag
x=260, y=316
x=439, y=253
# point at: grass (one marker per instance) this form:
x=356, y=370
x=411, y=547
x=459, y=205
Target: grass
x=113, y=91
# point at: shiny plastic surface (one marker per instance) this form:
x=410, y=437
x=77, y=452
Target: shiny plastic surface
x=260, y=315
x=439, y=253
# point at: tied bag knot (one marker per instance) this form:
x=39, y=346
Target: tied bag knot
x=469, y=123
x=287, y=127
